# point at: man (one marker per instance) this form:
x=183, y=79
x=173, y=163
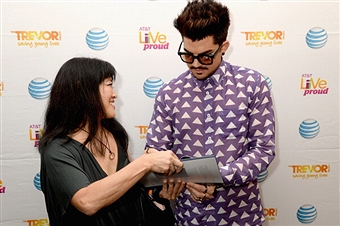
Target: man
x=218, y=109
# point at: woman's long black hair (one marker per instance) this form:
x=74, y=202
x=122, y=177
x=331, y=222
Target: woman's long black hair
x=75, y=101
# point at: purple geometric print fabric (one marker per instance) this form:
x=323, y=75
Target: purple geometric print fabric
x=229, y=115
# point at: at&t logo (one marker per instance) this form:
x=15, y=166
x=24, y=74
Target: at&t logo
x=316, y=38
x=262, y=176
x=306, y=214
x=36, y=181
x=35, y=133
x=97, y=39
x=152, y=85
x=309, y=128
x=152, y=40
x=2, y=189
x=39, y=88
x=269, y=82
x=313, y=86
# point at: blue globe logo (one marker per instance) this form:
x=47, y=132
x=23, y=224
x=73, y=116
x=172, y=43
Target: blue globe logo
x=306, y=214
x=151, y=86
x=269, y=82
x=309, y=128
x=36, y=181
x=97, y=39
x=262, y=176
x=316, y=38
x=39, y=88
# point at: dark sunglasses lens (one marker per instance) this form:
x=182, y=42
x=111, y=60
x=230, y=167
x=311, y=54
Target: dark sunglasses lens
x=205, y=59
x=187, y=58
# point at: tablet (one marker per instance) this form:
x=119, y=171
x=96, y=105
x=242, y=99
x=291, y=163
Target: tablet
x=200, y=170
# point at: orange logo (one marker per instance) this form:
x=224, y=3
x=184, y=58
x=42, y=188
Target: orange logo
x=270, y=213
x=310, y=171
x=142, y=131
x=38, y=38
x=2, y=88
x=264, y=38
x=40, y=222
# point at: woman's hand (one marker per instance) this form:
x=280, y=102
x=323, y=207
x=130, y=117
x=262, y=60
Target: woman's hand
x=164, y=162
x=170, y=190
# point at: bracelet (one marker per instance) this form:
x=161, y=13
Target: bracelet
x=147, y=150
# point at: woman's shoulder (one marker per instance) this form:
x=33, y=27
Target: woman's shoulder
x=59, y=141
x=61, y=147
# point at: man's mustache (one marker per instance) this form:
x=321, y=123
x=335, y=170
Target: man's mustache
x=199, y=68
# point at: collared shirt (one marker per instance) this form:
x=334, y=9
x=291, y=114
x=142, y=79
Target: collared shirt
x=229, y=115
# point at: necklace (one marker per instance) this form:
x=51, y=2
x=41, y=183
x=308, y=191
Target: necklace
x=112, y=155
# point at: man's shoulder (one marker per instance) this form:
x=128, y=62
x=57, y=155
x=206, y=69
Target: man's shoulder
x=179, y=80
x=237, y=69
x=243, y=73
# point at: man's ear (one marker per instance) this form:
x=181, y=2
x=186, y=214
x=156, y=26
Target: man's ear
x=225, y=46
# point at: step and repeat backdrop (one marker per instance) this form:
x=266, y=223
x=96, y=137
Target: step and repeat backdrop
x=294, y=44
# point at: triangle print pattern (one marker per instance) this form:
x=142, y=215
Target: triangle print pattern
x=229, y=115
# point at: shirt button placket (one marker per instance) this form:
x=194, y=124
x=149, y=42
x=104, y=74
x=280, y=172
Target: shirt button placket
x=208, y=125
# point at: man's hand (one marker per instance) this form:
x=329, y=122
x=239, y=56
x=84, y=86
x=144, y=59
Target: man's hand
x=200, y=192
x=171, y=190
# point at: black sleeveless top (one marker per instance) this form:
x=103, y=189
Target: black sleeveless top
x=66, y=167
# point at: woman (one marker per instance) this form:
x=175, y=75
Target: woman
x=86, y=174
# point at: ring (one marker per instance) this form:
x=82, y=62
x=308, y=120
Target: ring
x=203, y=197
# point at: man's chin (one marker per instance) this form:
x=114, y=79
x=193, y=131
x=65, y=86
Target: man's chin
x=200, y=76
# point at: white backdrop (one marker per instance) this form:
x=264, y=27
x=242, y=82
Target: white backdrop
x=294, y=44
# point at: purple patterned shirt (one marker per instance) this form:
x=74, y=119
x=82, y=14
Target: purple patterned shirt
x=229, y=115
